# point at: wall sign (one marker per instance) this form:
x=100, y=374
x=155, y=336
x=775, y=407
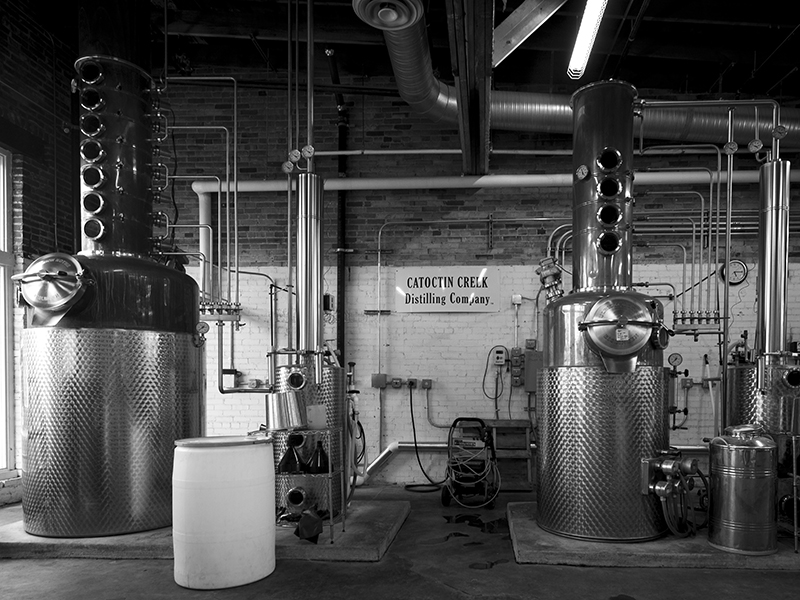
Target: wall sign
x=447, y=289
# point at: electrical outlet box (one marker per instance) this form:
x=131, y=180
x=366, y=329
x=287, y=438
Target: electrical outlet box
x=427, y=384
x=687, y=382
x=379, y=380
x=412, y=383
x=534, y=363
x=516, y=299
x=499, y=356
x=397, y=382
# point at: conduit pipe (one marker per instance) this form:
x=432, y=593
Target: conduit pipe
x=395, y=447
x=479, y=182
x=235, y=188
x=702, y=228
x=207, y=213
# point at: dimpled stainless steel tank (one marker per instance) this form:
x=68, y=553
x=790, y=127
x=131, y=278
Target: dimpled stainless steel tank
x=112, y=364
x=602, y=404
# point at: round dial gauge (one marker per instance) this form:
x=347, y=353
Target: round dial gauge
x=202, y=327
x=736, y=273
x=675, y=359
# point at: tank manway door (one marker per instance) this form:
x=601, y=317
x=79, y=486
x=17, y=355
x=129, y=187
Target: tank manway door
x=618, y=327
x=51, y=285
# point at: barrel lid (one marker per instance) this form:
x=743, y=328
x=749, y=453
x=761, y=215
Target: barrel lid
x=750, y=435
x=223, y=440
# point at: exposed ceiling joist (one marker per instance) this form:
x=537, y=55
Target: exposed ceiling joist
x=520, y=24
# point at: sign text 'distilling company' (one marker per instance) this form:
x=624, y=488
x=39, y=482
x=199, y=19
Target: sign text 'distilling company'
x=443, y=289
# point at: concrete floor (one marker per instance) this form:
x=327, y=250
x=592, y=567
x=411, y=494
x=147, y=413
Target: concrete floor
x=436, y=554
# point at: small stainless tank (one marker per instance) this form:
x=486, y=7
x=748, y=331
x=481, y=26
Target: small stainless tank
x=743, y=469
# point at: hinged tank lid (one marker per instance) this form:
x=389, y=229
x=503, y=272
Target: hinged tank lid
x=53, y=282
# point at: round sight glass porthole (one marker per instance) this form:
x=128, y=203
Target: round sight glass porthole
x=608, y=242
x=91, y=72
x=94, y=229
x=92, y=151
x=296, y=380
x=609, y=160
x=92, y=125
x=609, y=187
x=91, y=99
x=609, y=215
x=93, y=203
x=93, y=176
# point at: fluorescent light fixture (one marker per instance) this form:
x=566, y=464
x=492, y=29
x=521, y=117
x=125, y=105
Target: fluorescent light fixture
x=590, y=23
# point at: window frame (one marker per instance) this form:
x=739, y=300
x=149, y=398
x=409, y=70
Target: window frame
x=8, y=467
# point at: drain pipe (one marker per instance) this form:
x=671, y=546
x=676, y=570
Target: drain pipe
x=396, y=447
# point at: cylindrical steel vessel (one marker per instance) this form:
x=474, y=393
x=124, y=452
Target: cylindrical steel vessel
x=108, y=389
x=111, y=359
x=602, y=405
x=743, y=479
x=594, y=429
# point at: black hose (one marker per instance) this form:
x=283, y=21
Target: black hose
x=708, y=491
x=420, y=487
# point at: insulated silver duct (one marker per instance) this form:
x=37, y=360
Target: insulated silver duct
x=407, y=43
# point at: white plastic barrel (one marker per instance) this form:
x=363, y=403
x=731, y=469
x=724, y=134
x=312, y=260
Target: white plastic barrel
x=223, y=511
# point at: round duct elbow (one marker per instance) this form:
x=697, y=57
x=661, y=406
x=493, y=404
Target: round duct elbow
x=389, y=15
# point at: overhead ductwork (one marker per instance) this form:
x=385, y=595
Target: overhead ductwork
x=404, y=30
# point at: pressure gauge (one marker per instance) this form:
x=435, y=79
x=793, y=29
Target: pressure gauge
x=736, y=273
x=202, y=328
x=675, y=359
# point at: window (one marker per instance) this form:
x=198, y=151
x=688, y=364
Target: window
x=6, y=321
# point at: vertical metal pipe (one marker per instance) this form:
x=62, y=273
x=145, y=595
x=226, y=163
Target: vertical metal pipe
x=773, y=259
x=272, y=357
x=309, y=262
x=310, y=79
x=289, y=145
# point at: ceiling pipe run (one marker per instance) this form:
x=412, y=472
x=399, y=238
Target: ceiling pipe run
x=407, y=43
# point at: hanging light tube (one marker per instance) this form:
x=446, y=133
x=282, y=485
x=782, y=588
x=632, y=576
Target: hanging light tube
x=590, y=23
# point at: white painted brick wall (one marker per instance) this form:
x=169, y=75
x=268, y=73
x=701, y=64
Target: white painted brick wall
x=452, y=350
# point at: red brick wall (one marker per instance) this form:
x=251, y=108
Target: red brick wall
x=386, y=123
